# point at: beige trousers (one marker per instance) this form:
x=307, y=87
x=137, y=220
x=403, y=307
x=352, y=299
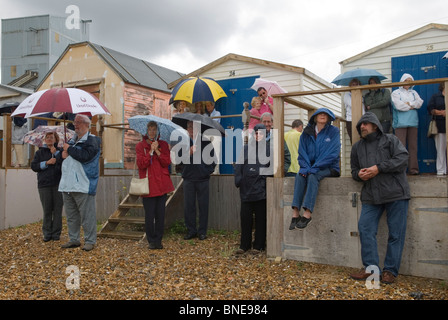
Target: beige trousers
x=20, y=151
x=409, y=138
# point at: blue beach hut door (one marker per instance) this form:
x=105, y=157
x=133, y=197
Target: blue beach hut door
x=422, y=67
x=238, y=91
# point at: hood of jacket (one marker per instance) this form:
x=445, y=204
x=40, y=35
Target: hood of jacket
x=369, y=117
x=322, y=110
x=406, y=76
x=309, y=129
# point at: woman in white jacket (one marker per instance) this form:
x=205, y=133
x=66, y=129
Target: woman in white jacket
x=406, y=101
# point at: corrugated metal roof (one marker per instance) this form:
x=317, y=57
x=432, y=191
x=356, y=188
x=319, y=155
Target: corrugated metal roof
x=137, y=71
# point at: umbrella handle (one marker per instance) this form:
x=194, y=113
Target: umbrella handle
x=65, y=128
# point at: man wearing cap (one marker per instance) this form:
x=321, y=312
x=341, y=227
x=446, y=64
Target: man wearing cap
x=379, y=160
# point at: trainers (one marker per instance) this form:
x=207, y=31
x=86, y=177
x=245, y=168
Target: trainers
x=293, y=224
x=360, y=275
x=87, y=247
x=70, y=245
x=303, y=222
x=255, y=251
x=240, y=251
x=387, y=277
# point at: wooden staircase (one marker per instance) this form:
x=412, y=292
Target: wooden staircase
x=120, y=223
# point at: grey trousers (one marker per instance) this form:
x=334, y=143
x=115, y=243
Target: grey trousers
x=52, y=204
x=80, y=210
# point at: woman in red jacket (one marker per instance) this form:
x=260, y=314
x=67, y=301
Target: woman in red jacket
x=153, y=159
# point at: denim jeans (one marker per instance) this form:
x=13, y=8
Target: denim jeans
x=368, y=226
x=306, y=189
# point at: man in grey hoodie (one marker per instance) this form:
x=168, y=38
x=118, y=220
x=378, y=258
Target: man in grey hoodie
x=379, y=160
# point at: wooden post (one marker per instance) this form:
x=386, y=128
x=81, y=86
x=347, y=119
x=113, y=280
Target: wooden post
x=356, y=113
x=245, y=117
x=7, y=133
x=446, y=104
x=279, y=152
x=100, y=130
x=275, y=213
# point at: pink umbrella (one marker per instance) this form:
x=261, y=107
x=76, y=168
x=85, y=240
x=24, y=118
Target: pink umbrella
x=69, y=100
x=272, y=87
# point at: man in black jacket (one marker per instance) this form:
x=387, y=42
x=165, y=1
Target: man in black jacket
x=196, y=176
x=250, y=177
x=379, y=160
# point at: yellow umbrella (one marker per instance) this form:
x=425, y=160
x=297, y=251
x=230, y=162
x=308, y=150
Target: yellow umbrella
x=196, y=89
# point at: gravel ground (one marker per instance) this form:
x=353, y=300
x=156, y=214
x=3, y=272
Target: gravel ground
x=183, y=270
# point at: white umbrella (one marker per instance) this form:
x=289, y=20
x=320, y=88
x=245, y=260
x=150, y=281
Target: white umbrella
x=445, y=56
x=66, y=100
x=69, y=100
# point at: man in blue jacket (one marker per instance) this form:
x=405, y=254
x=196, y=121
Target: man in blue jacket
x=80, y=173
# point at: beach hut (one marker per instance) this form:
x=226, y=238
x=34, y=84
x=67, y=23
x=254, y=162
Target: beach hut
x=419, y=53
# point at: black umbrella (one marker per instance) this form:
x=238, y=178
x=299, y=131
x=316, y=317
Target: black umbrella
x=7, y=107
x=182, y=120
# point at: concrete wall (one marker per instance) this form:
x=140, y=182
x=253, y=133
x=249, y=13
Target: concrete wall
x=19, y=198
x=332, y=237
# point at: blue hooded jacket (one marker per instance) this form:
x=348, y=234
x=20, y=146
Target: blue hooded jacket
x=322, y=151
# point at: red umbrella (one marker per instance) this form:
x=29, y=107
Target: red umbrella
x=68, y=100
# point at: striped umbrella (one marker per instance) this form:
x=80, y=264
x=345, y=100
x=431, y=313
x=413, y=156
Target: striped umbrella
x=69, y=100
x=196, y=89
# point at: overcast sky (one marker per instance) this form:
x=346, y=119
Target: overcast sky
x=184, y=35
